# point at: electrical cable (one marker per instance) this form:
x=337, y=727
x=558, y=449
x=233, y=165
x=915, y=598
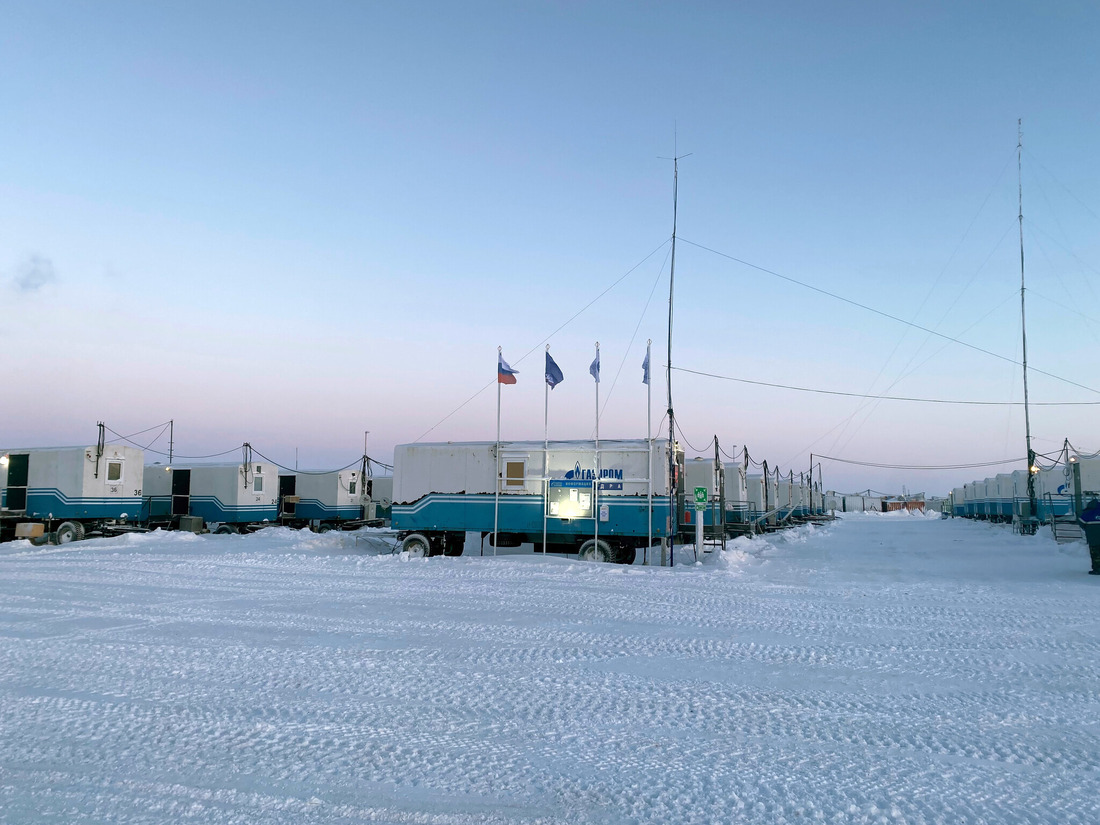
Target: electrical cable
x=141, y=432
x=306, y=472
x=921, y=466
x=174, y=455
x=727, y=455
x=681, y=432
x=163, y=428
x=890, y=397
x=887, y=315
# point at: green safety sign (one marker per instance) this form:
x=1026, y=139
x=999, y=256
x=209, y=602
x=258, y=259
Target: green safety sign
x=700, y=498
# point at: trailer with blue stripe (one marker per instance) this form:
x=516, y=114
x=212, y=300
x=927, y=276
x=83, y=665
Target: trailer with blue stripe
x=69, y=491
x=603, y=503
x=228, y=497
x=738, y=506
x=334, y=499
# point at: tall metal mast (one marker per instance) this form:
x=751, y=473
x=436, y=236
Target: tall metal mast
x=673, y=516
x=1031, y=468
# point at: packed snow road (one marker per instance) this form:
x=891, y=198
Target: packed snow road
x=898, y=670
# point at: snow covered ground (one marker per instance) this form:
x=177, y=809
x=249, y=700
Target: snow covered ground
x=882, y=669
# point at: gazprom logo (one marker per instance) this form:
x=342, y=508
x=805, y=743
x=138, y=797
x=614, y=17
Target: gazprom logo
x=590, y=475
x=584, y=474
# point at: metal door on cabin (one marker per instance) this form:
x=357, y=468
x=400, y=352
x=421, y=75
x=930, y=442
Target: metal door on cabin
x=287, y=500
x=181, y=492
x=18, y=471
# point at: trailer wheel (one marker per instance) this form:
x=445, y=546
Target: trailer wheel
x=625, y=555
x=417, y=546
x=225, y=530
x=593, y=550
x=325, y=528
x=70, y=531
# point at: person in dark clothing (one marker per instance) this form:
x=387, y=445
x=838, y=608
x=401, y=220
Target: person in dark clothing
x=1090, y=523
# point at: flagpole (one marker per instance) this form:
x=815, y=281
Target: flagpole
x=596, y=485
x=496, y=482
x=649, y=450
x=597, y=396
x=545, y=452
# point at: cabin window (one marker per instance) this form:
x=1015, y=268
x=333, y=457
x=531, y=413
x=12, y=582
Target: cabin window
x=514, y=473
x=351, y=487
x=257, y=483
x=114, y=471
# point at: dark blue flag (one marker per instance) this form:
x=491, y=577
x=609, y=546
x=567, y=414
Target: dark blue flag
x=553, y=372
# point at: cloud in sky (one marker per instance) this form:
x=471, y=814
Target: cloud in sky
x=34, y=273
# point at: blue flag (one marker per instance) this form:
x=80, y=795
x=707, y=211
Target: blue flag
x=553, y=372
x=595, y=367
x=645, y=367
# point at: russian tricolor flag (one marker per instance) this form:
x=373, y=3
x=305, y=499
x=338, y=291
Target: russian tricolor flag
x=505, y=374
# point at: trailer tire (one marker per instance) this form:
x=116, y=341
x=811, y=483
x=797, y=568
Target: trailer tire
x=417, y=545
x=325, y=528
x=625, y=555
x=225, y=530
x=593, y=550
x=69, y=531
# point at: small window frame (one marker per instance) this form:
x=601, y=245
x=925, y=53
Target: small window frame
x=115, y=462
x=509, y=481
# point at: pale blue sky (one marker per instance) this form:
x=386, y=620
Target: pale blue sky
x=290, y=223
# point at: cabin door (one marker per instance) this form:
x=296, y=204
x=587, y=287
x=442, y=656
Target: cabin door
x=287, y=486
x=181, y=492
x=18, y=471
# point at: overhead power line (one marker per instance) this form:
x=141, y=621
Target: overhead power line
x=885, y=314
x=920, y=466
x=890, y=397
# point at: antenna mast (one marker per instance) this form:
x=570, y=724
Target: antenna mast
x=1031, y=467
x=672, y=517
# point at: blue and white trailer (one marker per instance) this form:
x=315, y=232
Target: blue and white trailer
x=790, y=498
x=704, y=472
x=1004, y=496
x=595, y=502
x=981, y=498
x=380, y=494
x=958, y=502
x=325, y=500
x=334, y=499
x=227, y=497
x=738, y=506
x=1084, y=474
x=78, y=489
x=759, y=503
x=1054, y=493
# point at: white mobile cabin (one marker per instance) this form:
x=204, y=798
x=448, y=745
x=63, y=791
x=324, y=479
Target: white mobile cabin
x=738, y=506
x=231, y=496
x=568, y=491
x=958, y=502
x=77, y=489
x=379, y=497
x=711, y=476
x=323, y=499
